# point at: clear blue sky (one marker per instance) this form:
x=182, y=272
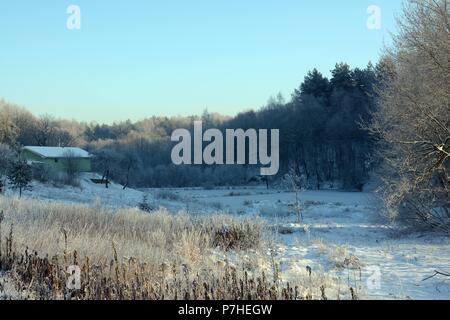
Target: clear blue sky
x=133, y=59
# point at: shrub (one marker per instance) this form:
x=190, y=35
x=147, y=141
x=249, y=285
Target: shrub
x=41, y=172
x=145, y=205
x=236, y=237
x=167, y=195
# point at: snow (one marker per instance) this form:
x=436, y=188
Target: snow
x=87, y=193
x=340, y=228
x=58, y=152
x=342, y=234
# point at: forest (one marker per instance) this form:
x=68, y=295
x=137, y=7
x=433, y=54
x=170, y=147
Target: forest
x=321, y=138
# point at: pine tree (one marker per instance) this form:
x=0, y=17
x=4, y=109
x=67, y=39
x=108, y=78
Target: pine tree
x=20, y=176
x=342, y=77
x=314, y=84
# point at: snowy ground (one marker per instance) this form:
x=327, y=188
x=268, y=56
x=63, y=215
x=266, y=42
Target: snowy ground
x=87, y=192
x=342, y=233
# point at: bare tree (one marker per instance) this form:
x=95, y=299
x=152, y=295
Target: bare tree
x=8, y=130
x=129, y=163
x=62, y=138
x=103, y=162
x=71, y=167
x=46, y=128
x=412, y=122
x=294, y=181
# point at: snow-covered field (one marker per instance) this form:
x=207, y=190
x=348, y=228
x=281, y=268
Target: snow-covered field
x=342, y=233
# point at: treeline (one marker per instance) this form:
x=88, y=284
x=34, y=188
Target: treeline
x=320, y=136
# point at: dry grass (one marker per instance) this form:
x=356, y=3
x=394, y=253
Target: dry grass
x=152, y=238
x=129, y=254
x=338, y=256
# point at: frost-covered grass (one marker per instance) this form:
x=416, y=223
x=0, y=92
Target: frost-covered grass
x=142, y=255
x=342, y=239
x=51, y=228
x=355, y=239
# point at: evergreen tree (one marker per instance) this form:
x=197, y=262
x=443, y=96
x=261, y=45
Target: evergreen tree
x=364, y=79
x=342, y=77
x=20, y=176
x=315, y=84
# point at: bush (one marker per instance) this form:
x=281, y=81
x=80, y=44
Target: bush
x=145, y=205
x=7, y=157
x=167, y=195
x=236, y=236
x=41, y=172
x=45, y=173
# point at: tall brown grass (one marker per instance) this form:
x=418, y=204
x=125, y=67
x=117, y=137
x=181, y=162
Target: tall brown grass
x=129, y=254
